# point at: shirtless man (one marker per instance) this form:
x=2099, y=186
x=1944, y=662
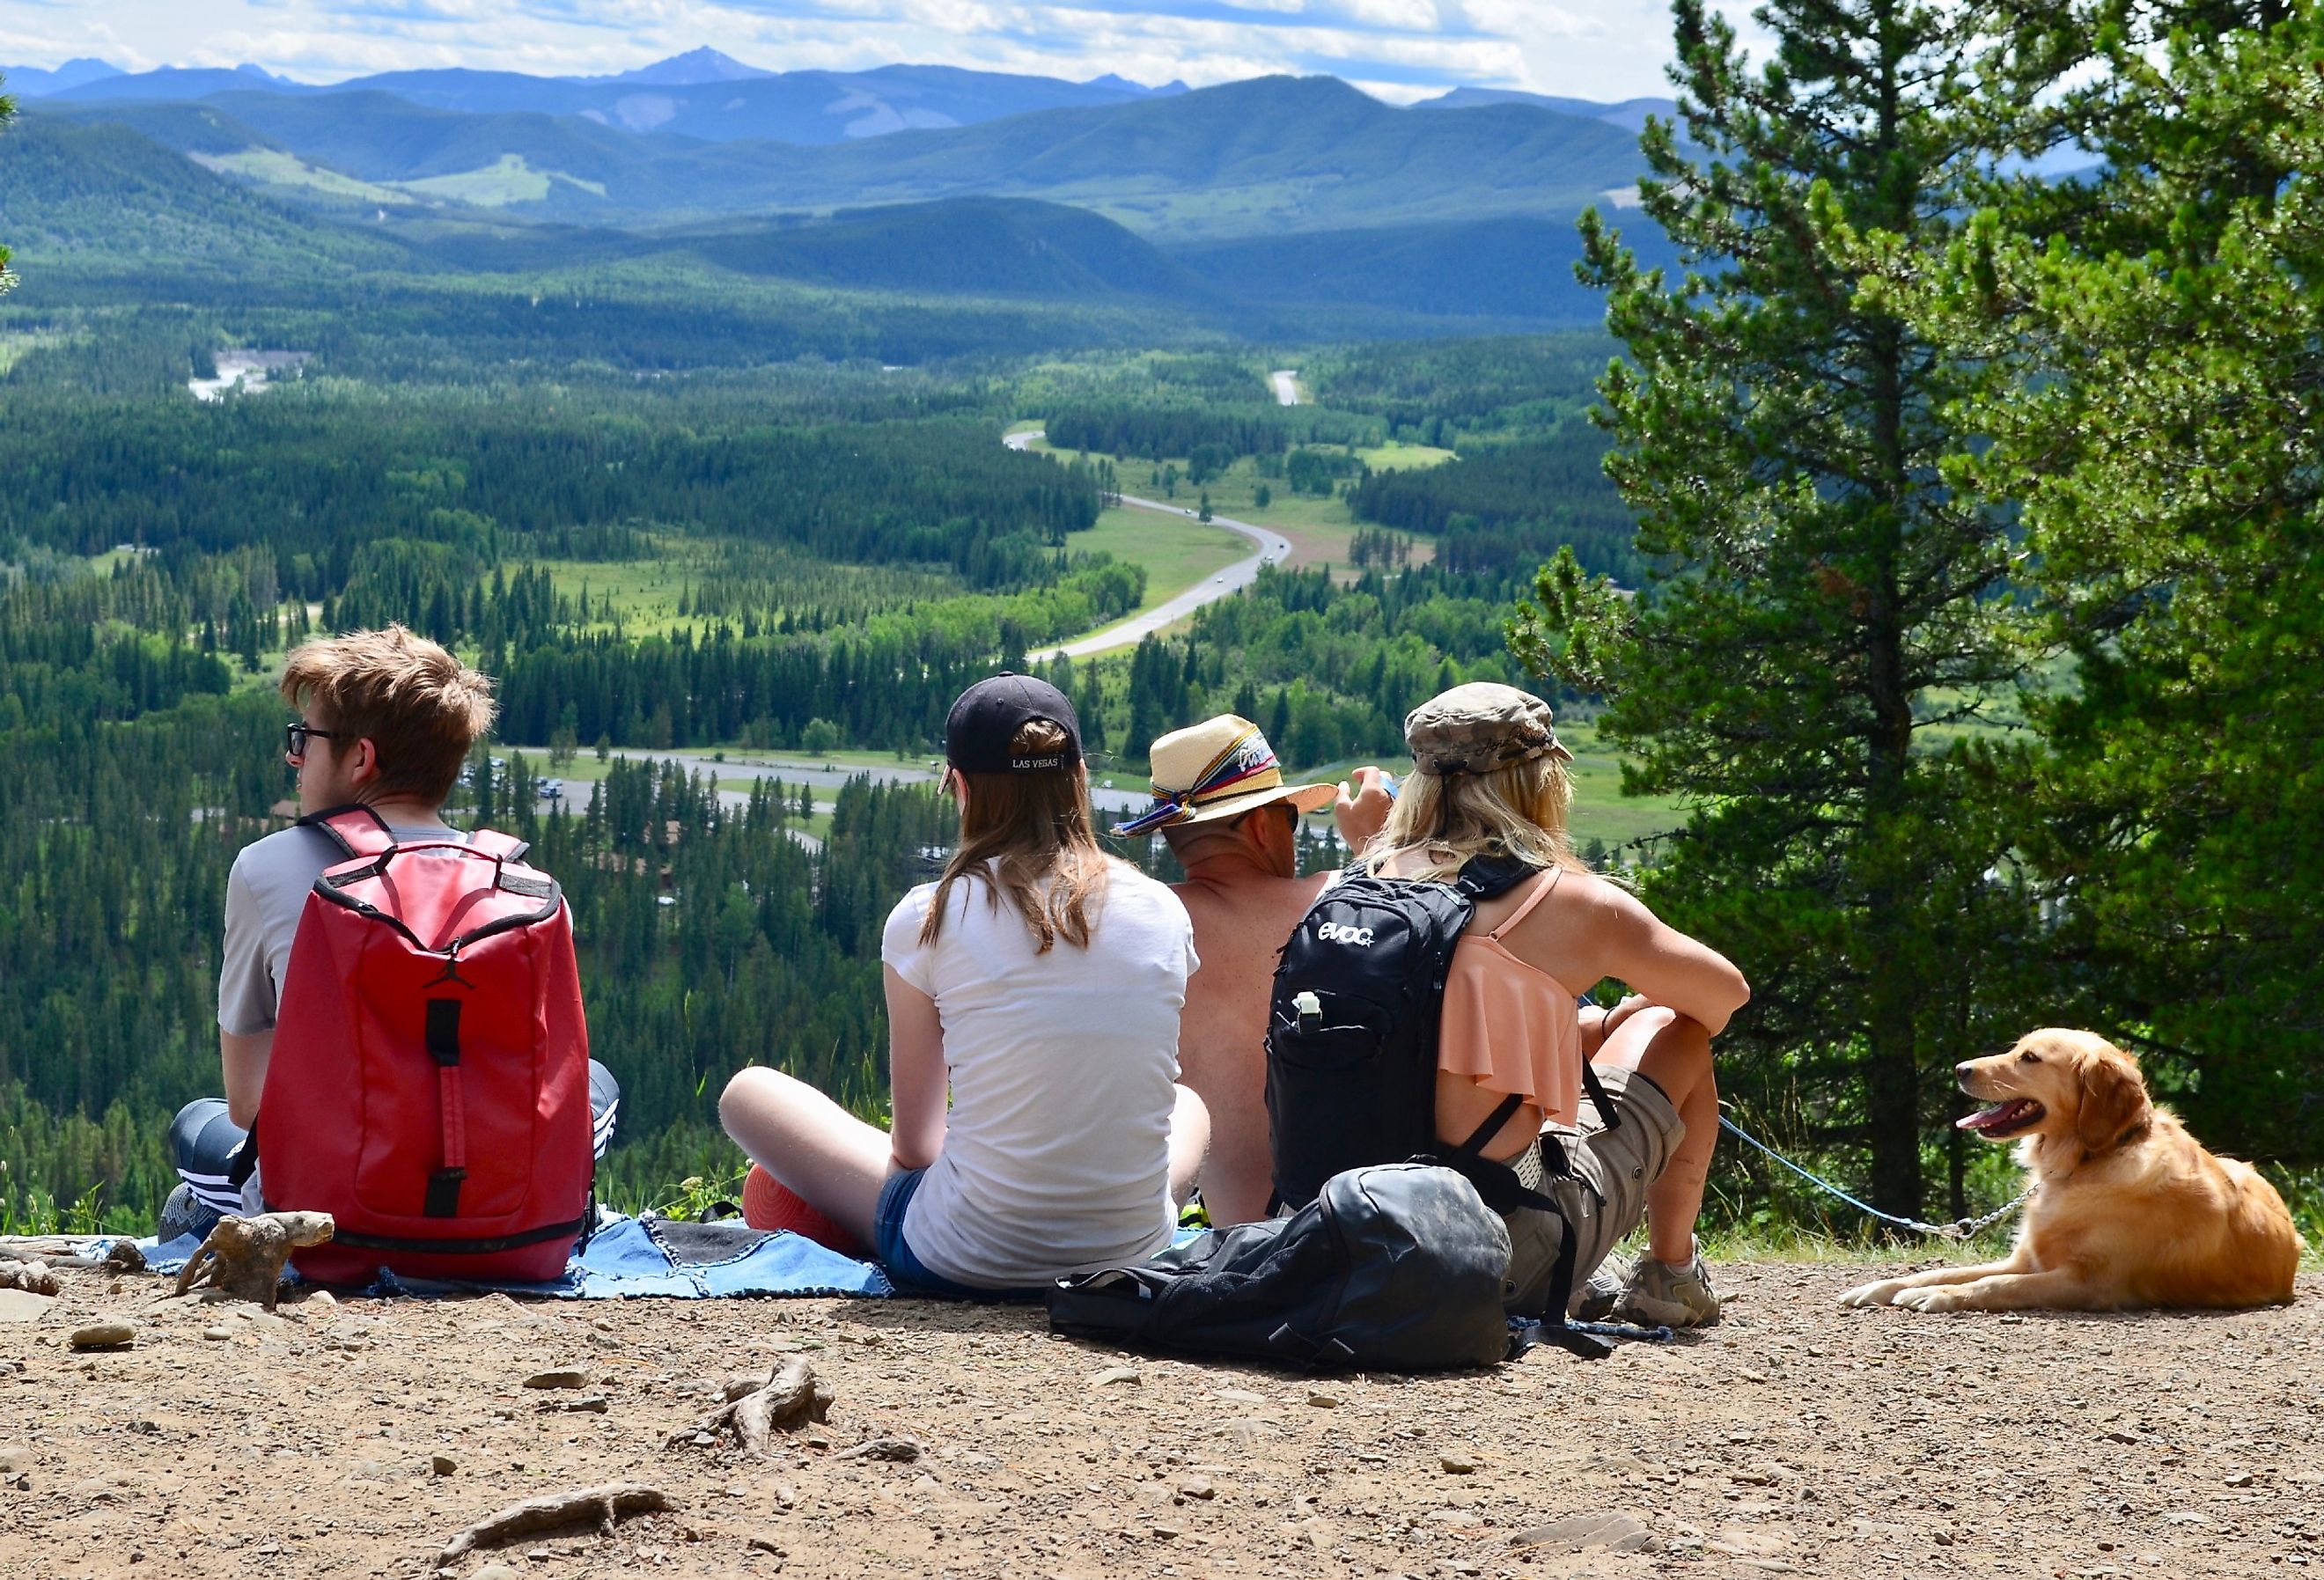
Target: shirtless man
x=1219, y=799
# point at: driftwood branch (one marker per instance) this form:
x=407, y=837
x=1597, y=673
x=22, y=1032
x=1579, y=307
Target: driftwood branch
x=789, y=1398
x=73, y=1251
x=243, y=1257
x=595, y=1506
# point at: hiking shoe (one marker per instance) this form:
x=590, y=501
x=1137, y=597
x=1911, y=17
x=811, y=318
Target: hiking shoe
x=1596, y=1299
x=1676, y=1296
x=184, y=1213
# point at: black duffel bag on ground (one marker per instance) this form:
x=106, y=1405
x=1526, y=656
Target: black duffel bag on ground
x=1398, y=1266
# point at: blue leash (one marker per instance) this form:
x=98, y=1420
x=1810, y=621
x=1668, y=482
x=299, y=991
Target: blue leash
x=1960, y=1229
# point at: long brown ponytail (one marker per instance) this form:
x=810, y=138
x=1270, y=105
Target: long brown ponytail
x=1030, y=832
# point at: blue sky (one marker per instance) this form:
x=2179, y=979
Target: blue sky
x=1399, y=48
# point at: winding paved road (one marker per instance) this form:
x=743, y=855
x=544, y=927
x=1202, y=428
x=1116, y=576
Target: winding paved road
x=795, y=771
x=1272, y=546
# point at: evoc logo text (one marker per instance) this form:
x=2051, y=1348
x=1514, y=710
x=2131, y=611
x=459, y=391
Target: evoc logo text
x=1332, y=932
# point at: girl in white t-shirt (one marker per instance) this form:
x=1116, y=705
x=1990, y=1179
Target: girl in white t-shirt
x=1037, y=985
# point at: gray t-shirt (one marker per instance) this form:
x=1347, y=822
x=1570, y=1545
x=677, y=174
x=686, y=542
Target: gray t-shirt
x=264, y=895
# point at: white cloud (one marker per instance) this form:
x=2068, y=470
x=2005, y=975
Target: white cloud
x=1399, y=48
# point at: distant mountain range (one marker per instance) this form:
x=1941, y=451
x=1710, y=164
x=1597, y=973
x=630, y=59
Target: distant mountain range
x=96, y=201
x=702, y=94
x=1264, y=156
x=1261, y=205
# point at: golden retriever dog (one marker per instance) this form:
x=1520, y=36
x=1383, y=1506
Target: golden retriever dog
x=2128, y=1209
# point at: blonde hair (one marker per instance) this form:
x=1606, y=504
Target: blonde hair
x=421, y=707
x=1518, y=810
x=1031, y=834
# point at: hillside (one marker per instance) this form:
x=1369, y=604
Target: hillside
x=1513, y=267
x=115, y=203
x=357, y=1436
x=999, y=246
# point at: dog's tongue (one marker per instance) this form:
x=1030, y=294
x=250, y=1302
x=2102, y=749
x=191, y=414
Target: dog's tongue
x=1992, y=1118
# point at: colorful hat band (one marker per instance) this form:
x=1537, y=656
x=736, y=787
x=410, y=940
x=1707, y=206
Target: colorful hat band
x=1247, y=758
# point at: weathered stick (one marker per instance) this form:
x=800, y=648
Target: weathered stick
x=598, y=1506
x=243, y=1257
x=791, y=1397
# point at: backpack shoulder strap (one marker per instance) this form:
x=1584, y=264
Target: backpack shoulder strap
x=492, y=842
x=1485, y=876
x=356, y=829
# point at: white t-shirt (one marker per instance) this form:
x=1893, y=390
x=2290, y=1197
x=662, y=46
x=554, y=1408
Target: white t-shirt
x=1057, y=1151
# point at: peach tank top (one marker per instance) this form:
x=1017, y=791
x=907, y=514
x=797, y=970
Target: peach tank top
x=1511, y=1027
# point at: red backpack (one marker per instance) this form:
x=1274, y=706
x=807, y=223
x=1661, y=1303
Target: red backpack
x=429, y=1081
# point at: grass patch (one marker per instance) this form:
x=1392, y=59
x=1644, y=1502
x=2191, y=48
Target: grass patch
x=277, y=167
x=1178, y=552
x=1398, y=456
x=1319, y=528
x=507, y=180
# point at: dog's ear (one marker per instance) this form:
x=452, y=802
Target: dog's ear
x=2114, y=1100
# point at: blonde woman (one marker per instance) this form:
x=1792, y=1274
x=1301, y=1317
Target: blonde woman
x=1492, y=780
x=1037, y=984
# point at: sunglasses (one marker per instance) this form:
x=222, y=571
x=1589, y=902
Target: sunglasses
x=296, y=736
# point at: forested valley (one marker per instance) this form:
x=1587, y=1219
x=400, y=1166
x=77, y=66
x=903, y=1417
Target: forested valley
x=1928, y=570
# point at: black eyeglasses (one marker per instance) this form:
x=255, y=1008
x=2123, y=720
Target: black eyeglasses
x=296, y=736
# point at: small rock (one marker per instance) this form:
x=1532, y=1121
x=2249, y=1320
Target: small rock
x=2242, y=1478
x=768, y=1544
x=217, y=1333
x=442, y=1464
x=1240, y=1396
x=321, y=1300
x=1197, y=1486
x=1165, y=1532
x=1323, y=1400
x=593, y=1404
x=1617, y=1533
x=104, y=1336
x=495, y=1572
x=1455, y=1463
x=563, y=1377
x=23, y=1306
x=1118, y=1374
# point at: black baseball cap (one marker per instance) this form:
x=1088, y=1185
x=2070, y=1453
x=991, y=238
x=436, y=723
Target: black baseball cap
x=990, y=712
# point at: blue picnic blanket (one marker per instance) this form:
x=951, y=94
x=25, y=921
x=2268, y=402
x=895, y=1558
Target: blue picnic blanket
x=649, y=1256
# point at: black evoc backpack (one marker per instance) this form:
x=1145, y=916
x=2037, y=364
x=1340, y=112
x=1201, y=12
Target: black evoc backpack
x=1351, y=1043
x=1398, y=1266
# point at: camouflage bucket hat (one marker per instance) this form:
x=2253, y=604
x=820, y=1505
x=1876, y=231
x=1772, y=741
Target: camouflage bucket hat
x=1478, y=727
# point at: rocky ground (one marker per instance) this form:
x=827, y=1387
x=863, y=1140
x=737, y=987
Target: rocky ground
x=355, y=1437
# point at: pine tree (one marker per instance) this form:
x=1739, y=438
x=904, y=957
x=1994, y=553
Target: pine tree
x=1821, y=621
x=2154, y=342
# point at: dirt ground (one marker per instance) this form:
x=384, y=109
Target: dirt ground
x=355, y=1437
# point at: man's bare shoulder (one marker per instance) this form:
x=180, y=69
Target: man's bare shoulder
x=1250, y=895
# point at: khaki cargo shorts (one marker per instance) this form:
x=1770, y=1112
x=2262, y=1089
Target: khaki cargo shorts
x=1604, y=1196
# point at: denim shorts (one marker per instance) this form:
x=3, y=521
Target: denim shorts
x=906, y=1270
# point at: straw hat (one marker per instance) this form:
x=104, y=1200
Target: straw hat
x=1220, y=768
